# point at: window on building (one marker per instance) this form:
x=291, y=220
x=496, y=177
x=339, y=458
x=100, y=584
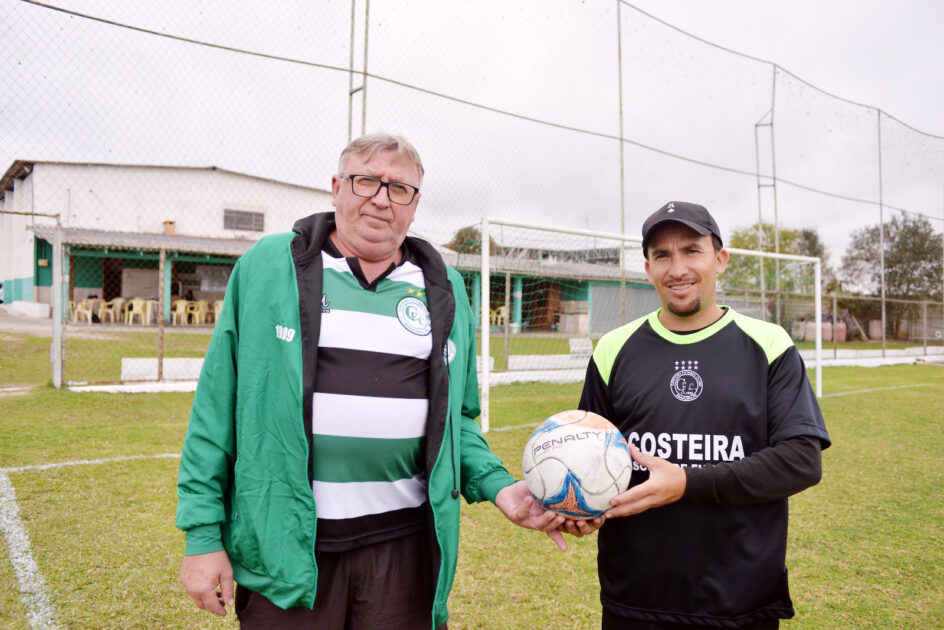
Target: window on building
x=242, y=220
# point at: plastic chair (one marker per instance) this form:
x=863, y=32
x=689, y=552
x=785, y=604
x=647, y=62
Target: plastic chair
x=111, y=309
x=197, y=311
x=179, y=314
x=217, y=310
x=82, y=309
x=501, y=316
x=136, y=307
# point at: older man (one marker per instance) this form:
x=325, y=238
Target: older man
x=723, y=425
x=333, y=429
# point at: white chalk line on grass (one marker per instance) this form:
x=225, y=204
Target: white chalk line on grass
x=85, y=462
x=40, y=612
x=879, y=389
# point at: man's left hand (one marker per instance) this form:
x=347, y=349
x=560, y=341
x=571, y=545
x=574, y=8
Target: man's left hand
x=666, y=484
x=515, y=502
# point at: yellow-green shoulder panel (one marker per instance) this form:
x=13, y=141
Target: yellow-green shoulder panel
x=604, y=355
x=771, y=337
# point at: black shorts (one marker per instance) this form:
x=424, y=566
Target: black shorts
x=380, y=586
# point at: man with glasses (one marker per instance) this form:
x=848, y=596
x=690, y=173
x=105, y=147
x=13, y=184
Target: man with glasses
x=333, y=428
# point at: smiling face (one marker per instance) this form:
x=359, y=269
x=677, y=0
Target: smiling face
x=683, y=266
x=372, y=229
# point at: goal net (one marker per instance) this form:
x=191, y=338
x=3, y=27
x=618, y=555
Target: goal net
x=544, y=295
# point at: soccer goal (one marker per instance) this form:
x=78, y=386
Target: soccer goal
x=545, y=294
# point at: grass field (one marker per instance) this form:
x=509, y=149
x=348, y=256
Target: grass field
x=865, y=547
x=25, y=358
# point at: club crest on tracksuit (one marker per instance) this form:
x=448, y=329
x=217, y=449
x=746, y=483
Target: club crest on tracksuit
x=686, y=384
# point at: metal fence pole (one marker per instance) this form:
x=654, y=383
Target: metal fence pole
x=507, y=321
x=818, y=318
x=161, y=264
x=486, y=298
x=881, y=227
x=58, y=337
x=835, y=321
x=924, y=326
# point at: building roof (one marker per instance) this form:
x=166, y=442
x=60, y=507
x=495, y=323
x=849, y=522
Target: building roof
x=19, y=169
x=547, y=268
x=151, y=242
x=237, y=247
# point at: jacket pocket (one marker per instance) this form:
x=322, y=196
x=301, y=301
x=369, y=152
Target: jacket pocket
x=267, y=532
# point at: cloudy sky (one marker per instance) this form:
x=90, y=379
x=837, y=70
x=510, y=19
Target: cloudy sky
x=884, y=54
x=514, y=106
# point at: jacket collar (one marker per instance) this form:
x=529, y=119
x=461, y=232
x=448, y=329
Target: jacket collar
x=314, y=230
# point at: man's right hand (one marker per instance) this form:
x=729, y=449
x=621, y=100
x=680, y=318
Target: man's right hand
x=202, y=573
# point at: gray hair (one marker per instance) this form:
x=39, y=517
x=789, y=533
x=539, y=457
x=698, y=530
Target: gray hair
x=371, y=143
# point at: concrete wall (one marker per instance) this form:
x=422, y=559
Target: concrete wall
x=16, y=245
x=139, y=199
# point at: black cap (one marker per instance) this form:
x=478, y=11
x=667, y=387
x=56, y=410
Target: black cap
x=688, y=214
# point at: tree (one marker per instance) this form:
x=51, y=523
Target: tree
x=913, y=258
x=913, y=265
x=468, y=240
x=743, y=272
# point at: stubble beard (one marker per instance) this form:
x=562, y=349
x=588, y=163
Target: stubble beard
x=680, y=311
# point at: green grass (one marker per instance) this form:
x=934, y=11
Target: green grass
x=25, y=358
x=890, y=344
x=865, y=547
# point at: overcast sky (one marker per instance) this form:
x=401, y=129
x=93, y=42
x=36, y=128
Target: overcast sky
x=877, y=52
x=79, y=90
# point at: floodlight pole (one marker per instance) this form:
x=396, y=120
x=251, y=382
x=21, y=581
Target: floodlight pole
x=619, y=69
x=773, y=172
x=351, y=90
x=760, y=215
x=350, y=77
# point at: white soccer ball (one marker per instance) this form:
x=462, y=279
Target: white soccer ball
x=575, y=462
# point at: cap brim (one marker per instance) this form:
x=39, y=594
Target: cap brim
x=700, y=229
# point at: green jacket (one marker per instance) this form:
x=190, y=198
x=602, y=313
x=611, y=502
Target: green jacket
x=246, y=467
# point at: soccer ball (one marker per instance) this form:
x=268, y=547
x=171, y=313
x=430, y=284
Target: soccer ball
x=575, y=462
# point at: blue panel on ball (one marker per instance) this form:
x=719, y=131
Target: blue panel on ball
x=569, y=500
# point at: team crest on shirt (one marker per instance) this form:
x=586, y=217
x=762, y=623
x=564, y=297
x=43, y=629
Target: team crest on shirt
x=414, y=316
x=686, y=385
x=449, y=352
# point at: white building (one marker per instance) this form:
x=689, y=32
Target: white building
x=116, y=219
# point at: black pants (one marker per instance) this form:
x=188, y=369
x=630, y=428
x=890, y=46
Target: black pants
x=381, y=586
x=615, y=622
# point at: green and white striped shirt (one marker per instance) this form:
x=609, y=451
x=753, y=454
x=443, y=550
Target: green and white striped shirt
x=370, y=405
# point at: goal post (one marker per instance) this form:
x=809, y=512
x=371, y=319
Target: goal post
x=571, y=286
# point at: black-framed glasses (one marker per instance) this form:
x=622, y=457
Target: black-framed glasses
x=367, y=186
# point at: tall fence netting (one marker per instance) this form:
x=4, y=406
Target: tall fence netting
x=168, y=137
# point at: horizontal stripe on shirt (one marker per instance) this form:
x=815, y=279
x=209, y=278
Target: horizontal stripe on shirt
x=375, y=333
x=368, y=417
x=362, y=373
x=349, y=500
x=345, y=534
x=340, y=459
